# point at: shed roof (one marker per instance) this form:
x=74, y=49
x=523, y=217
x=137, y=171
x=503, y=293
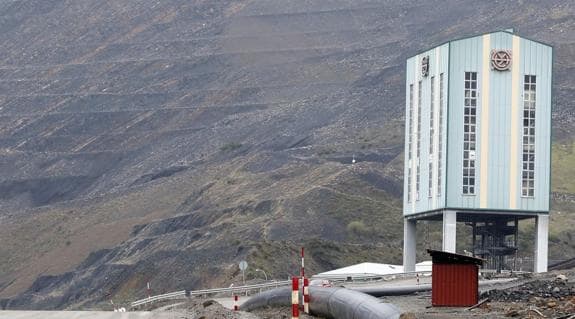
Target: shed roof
x=443, y=257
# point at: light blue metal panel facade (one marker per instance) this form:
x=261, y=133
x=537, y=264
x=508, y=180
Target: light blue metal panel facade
x=499, y=119
x=409, y=80
x=438, y=70
x=465, y=56
x=536, y=59
x=468, y=55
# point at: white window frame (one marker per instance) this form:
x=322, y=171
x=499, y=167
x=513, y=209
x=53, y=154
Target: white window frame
x=528, y=136
x=470, y=102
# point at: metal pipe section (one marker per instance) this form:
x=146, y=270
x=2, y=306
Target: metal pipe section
x=393, y=291
x=337, y=303
x=341, y=303
x=278, y=297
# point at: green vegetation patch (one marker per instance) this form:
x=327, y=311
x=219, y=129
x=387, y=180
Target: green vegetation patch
x=229, y=147
x=563, y=168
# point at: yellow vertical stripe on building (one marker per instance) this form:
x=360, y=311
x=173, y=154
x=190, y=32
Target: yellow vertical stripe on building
x=514, y=158
x=484, y=124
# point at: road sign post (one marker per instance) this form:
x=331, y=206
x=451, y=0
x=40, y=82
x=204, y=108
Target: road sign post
x=243, y=266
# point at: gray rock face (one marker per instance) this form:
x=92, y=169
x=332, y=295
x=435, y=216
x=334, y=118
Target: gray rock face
x=191, y=131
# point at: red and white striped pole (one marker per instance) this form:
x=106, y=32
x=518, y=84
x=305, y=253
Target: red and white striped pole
x=236, y=307
x=302, y=264
x=306, y=295
x=295, y=298
x=305, y=283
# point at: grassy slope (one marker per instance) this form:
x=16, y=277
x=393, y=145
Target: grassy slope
x=563, y=167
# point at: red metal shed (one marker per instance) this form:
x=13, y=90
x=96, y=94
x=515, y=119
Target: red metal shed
x=454, y=279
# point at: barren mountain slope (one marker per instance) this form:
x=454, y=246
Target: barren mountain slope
x=167, y=140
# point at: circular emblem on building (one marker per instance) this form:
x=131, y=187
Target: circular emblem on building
x=425, y=66
x=501, y=60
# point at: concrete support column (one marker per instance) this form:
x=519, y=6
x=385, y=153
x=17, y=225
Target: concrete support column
x=409, y=244
x=541, y=242
x=449, y=234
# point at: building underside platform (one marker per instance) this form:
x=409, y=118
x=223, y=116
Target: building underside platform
x=494, y=236
x=468, y=216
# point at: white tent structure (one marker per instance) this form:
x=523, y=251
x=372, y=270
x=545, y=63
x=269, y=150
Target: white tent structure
x=373, y=269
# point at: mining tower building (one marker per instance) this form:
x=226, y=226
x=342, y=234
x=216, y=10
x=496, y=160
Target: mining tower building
x=478, y=144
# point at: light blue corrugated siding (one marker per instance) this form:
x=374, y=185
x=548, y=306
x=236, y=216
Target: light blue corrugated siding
x=536, y=60
x=445, y=70
x=425, y=203
x=499, y=119
x=458, y=57
x=421, y=204
x=465, y=56
x=408, y=80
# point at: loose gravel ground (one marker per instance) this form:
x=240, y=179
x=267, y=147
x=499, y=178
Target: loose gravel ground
x=210, y=309
x=550, y=295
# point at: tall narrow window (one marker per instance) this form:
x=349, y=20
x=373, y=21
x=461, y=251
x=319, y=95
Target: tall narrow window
x=410, y=137
x=418, y=170
x=440, y=146
x=432, y=115
x=417, y=182
x=409, y=174
x=528, y=169
x=410, y=143
x=430, y=184
x=419, y=120
x=431, y=136
x=469, y=132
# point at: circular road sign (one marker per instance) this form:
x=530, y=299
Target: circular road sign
x=243, y=265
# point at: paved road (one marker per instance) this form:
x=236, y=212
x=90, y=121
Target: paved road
x=229, y=302
x=160, y=313
x=410, y=281
x=83, y=315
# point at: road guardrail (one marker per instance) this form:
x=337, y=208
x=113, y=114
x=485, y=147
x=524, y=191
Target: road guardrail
x=370, y=277
x=186, y=293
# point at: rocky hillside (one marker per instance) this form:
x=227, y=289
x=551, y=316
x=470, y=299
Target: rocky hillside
x=164, y=141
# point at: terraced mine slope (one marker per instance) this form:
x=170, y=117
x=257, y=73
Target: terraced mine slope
x=164, y=141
